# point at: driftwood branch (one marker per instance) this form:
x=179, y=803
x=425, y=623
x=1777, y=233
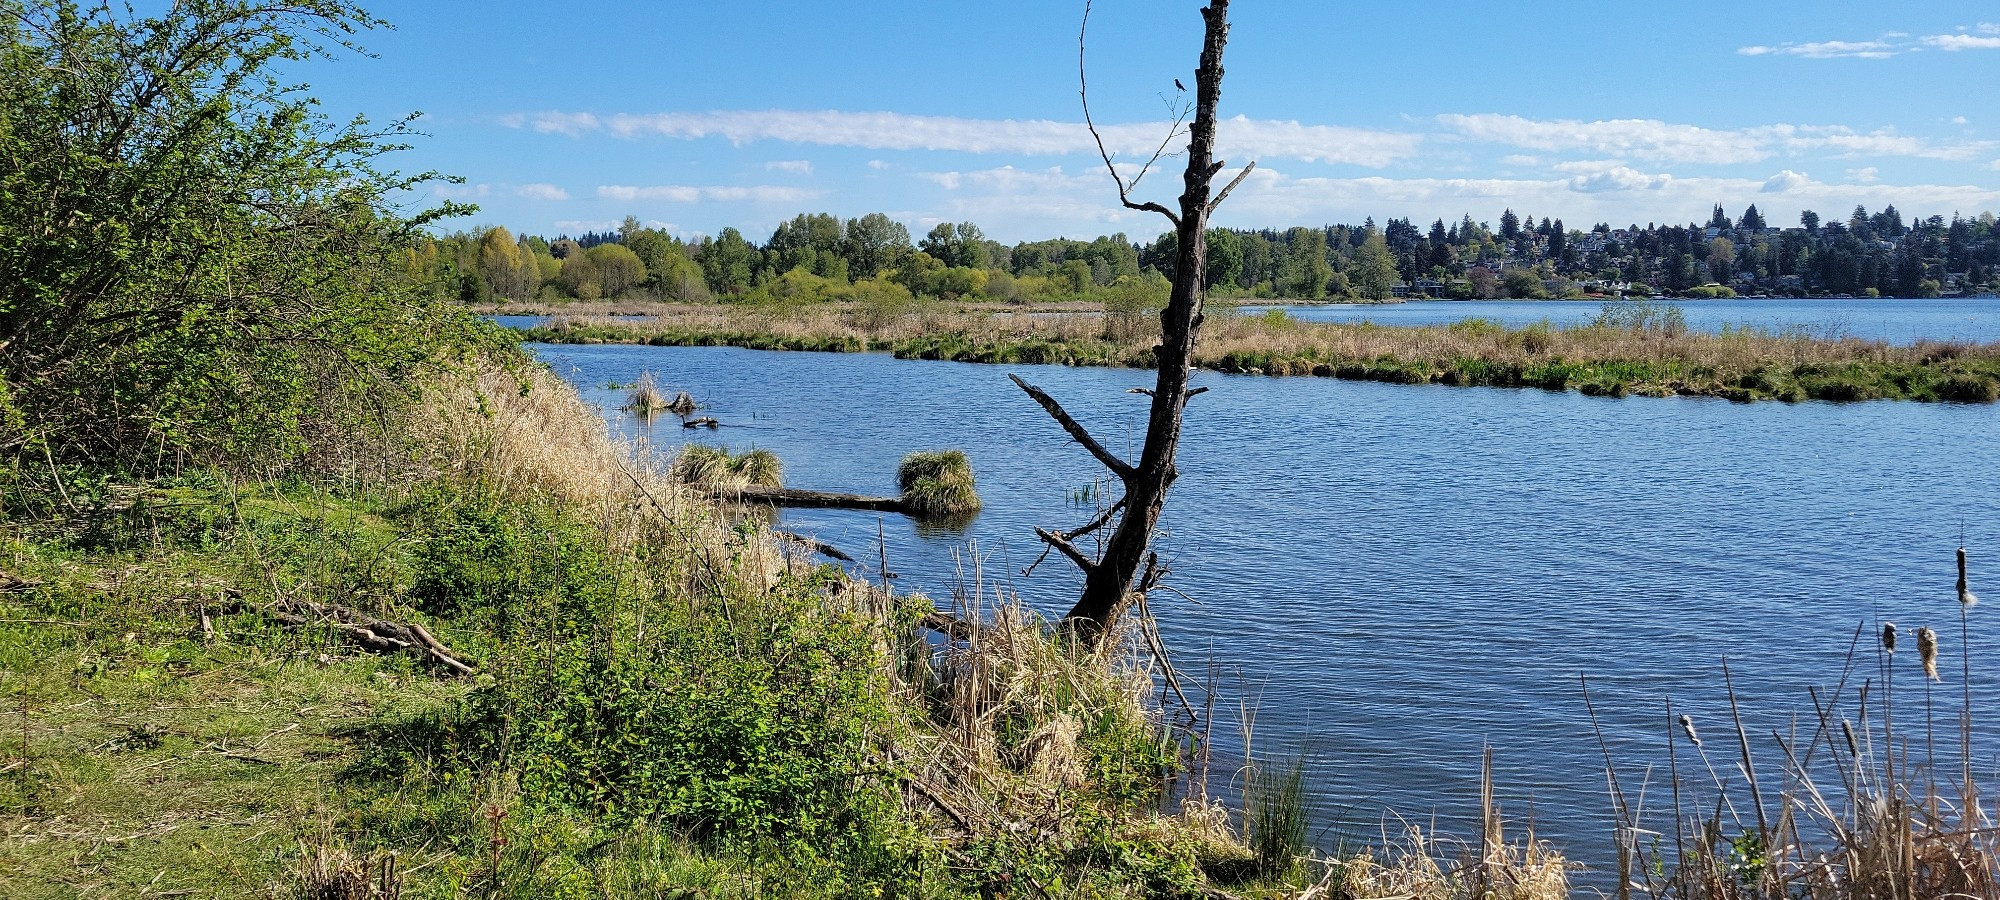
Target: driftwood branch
x=827, y=550
x=1076, y=430
x=1149, y=391
x=948, y=625
x=365, y=631
x=800, y=497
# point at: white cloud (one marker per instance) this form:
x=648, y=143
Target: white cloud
x=552, y=122
x=1642, y=138
x=1665, y=142
x=1620, y=178
x=1784, y=183
x=1952, y=43
x=673, y=193
x=1241, y=136
x=1882, y=48
x=463, y=191
x=1011, y=201
x=794, y=166
x=1894, y=43
x=579, y=226
x=1958, y=120
x=1868, y=175
x=1521, y=159
x=541, y=192
x=878, y=164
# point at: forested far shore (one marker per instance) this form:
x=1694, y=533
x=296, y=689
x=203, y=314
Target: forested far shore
x=820, y=257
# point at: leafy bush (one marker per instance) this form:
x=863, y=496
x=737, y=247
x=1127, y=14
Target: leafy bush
x=1132, y=308
x=201, y=265
x=1666, y=319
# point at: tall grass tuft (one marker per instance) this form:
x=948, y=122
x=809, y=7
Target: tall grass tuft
x=715, y=470
x=937, y=482
x=1276, y=810
x=645, y=397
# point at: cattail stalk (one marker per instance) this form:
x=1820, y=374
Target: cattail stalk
x=1927, y=650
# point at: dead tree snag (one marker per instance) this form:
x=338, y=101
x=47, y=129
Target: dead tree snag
x=1114, y=576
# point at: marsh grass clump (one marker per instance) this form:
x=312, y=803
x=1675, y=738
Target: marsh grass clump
x=644, y=396
x=937, y=482
x=716, y=470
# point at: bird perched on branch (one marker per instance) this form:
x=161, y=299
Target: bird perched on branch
x=1178, y=86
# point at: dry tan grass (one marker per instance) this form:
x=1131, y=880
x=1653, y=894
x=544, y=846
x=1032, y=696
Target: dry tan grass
x=527, y=431
x=1286, y=338
x=1419, y=866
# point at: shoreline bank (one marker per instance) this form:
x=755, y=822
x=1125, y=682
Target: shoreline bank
x=1638, y=357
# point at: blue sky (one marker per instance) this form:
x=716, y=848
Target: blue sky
x=696, y=116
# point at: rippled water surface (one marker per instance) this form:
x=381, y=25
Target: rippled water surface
x=1400, y=575
x=1897, y=321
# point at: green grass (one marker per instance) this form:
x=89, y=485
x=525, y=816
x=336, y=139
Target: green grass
x=650, y=719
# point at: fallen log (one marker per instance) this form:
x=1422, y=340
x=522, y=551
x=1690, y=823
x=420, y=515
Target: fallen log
x=799, y=497
x=823, y=549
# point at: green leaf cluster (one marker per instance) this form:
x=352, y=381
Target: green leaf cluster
x=197, y=257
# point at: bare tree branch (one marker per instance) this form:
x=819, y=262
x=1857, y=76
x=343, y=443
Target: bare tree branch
x=1118, y=467
x=1233, y=182
x=1099, y=522
x=1124, y=188
x=1067, y=549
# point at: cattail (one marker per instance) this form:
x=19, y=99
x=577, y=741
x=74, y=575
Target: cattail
x=1889, y=637
x=1927, y=651
x=1687, y=725
x=1847, y=731
x=1965, y=595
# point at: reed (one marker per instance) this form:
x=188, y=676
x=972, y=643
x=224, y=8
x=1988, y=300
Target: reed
x=1860, y=811
x=1277, y=810
x=644, y=397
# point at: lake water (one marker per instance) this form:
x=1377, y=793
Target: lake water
x=1897, y=321
x=1401, y=575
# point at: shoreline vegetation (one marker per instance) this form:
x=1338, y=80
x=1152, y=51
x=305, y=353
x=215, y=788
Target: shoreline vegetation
x=315, y=587
x=1632, y=348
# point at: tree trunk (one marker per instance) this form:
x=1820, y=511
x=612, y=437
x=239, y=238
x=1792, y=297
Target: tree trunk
x=1109, y=582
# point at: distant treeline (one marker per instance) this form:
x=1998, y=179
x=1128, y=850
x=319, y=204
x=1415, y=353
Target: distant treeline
x=816, y=257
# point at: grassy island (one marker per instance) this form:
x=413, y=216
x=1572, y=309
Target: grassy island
x=1635, y=348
